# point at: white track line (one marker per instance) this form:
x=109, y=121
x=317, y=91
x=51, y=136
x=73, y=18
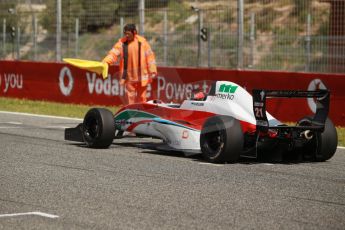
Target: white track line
x=38, y=115
x=30, y=214
x=57, y=127
x=11, y=123
x=206, y=163
x=14, y=123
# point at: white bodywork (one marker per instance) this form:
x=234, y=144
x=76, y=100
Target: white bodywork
x=230, y=99
x=238, y=104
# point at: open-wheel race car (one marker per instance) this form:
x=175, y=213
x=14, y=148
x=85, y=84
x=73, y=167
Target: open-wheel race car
x=228, y=123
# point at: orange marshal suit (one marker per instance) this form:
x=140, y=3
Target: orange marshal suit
x=137, y=65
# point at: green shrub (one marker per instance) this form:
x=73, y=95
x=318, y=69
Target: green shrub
x=302, y=9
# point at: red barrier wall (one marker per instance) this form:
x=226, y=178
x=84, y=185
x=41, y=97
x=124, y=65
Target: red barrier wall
x=64, y=83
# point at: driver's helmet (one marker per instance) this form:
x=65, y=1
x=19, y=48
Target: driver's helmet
x=199, y=96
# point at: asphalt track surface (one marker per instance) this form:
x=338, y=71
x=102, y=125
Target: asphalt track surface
x=49, y=183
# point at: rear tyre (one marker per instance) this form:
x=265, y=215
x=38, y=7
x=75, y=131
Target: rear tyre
x=323, y=145
x=98, y=128
x=221, y=139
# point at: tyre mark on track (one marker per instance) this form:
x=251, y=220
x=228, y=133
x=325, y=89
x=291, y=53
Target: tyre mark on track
x=318, y=201
x=22, y=203
x=303, y=176
x=31, y=137
x=69, y=167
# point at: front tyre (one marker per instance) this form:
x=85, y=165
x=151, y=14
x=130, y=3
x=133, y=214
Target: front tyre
x=221, y=139
x=98, y=128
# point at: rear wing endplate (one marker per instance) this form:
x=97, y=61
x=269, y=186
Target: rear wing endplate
x=259, y=105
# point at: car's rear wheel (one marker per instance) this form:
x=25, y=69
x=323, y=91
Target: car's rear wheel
x=221, y=139
x=98, y=128
x=323, y=145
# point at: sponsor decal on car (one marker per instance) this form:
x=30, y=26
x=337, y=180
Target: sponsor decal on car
x=226, y=91
x=262, y=95
x=262, y=123
x=197, y=103
x=227, y=88
x=185, y=134
x=122, y=122
x=258, y=104
x=225, y=96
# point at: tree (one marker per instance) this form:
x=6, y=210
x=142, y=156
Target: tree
x=92, y=14
x=99, y=13
x=7, y=12
x=302, y=8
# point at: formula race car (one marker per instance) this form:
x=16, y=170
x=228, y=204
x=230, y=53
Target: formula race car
x=226, y=124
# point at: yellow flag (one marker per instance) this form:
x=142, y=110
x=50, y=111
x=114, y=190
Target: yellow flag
x=93, y=66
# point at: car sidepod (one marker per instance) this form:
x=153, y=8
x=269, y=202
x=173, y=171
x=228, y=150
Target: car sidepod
x=178, y=136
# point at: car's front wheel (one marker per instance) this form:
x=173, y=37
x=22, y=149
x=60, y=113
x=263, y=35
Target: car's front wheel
x=221, y=139
x=98, y=128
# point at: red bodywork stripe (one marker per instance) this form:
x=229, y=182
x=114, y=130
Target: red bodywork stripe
x=191, y=118
x=134, y=125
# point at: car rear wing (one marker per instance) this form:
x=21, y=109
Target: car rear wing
x=320, y=116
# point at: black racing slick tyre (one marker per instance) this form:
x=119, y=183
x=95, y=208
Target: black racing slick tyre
x=323, y=145
x=98, y=128
x=221, y=139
